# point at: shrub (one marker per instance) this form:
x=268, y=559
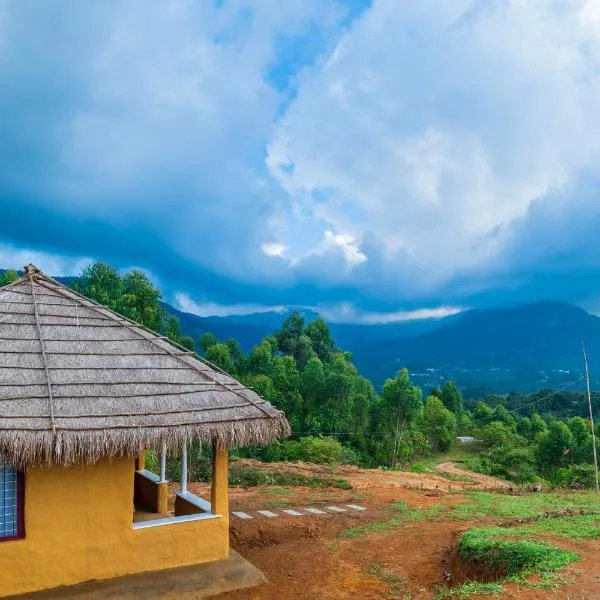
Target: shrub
x=576, y=475
x=313, y=449
x=419, y=468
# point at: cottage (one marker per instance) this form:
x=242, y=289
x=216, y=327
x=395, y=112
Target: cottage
x=82, y=391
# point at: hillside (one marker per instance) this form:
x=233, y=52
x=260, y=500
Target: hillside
x=519, y=348
x=510, y=349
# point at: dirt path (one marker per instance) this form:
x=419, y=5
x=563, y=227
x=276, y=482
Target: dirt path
x=483, y=481
x=448, y=478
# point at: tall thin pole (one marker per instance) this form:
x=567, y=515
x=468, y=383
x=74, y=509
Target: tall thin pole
x=163, y=463
x=184, y=468
x=589, y=395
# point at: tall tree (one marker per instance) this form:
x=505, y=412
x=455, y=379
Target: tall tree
x=452, y=398
x=8, y=277
x=439, y=424
x=402, y=405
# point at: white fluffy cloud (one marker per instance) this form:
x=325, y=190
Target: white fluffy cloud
x=207, y=308
x=53, y=264
x=433, y=126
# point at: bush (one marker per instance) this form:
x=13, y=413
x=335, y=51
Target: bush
x=318, y=450
x=419, y=468
x=583, y=476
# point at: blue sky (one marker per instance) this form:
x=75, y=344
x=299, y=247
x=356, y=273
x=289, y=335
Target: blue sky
x=367, y=158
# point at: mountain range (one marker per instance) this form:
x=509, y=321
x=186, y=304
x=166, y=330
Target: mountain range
x=519, y=348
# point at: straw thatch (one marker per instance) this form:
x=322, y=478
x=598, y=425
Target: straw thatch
x=79, y=382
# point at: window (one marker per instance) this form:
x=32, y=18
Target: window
x=11, y=503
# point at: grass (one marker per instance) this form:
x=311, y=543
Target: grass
x=283, y=503
x=396, y=582
x=514, y=559
x=576, y=527
x=277, y=491
x=402, y=514
x=468, y=589
x=420, y=468
x=488, y=504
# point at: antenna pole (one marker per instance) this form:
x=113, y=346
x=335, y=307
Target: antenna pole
x=589, y=395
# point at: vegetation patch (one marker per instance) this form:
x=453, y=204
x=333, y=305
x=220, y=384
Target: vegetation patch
x=248, y=477
x=489, y=504
x=509, y=557
x=396, y=582
x=490, y=556
x=402, y=515
x=471, y=587
x=577, y=527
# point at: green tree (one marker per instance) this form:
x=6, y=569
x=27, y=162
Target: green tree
x=320, y=337
x=102, y=283
x=8, y=277
x=218, y=355
x=312, y=388
x=260, y=359
x=452, y=398
x=402, y=405
x=141, y=301
x=207, y=339
x=582, y=439
x=496, y=435
x=553, y=445
x=439, y=424
x=483, y=413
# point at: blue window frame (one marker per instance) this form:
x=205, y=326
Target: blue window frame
x=11, y=503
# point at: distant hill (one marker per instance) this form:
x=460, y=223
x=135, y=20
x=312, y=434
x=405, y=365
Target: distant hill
x=250, y=329
x=520, y=348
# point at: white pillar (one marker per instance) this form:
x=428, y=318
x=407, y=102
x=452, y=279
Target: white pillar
x=163, y=463
x=184, y=466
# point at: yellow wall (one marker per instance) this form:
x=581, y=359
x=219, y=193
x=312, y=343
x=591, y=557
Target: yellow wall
x=78, y=527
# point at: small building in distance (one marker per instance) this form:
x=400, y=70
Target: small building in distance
x=83, y=391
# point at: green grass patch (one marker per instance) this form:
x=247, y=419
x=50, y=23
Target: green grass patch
x=277, y=491
x=495, y=549
x=576, y=527
x=402, y=515
x=488, y=504
x=249, y=477
x=514, y=558
x=420, y=468
x=396, y=582
x=472, y=587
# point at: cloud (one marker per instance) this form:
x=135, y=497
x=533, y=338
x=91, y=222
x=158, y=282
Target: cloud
x=385, y=155
x=206, y=308
x=432, y=130
x=346, y=313
x=53, y=264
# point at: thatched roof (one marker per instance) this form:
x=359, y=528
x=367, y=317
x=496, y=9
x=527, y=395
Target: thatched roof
x=79, y=382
